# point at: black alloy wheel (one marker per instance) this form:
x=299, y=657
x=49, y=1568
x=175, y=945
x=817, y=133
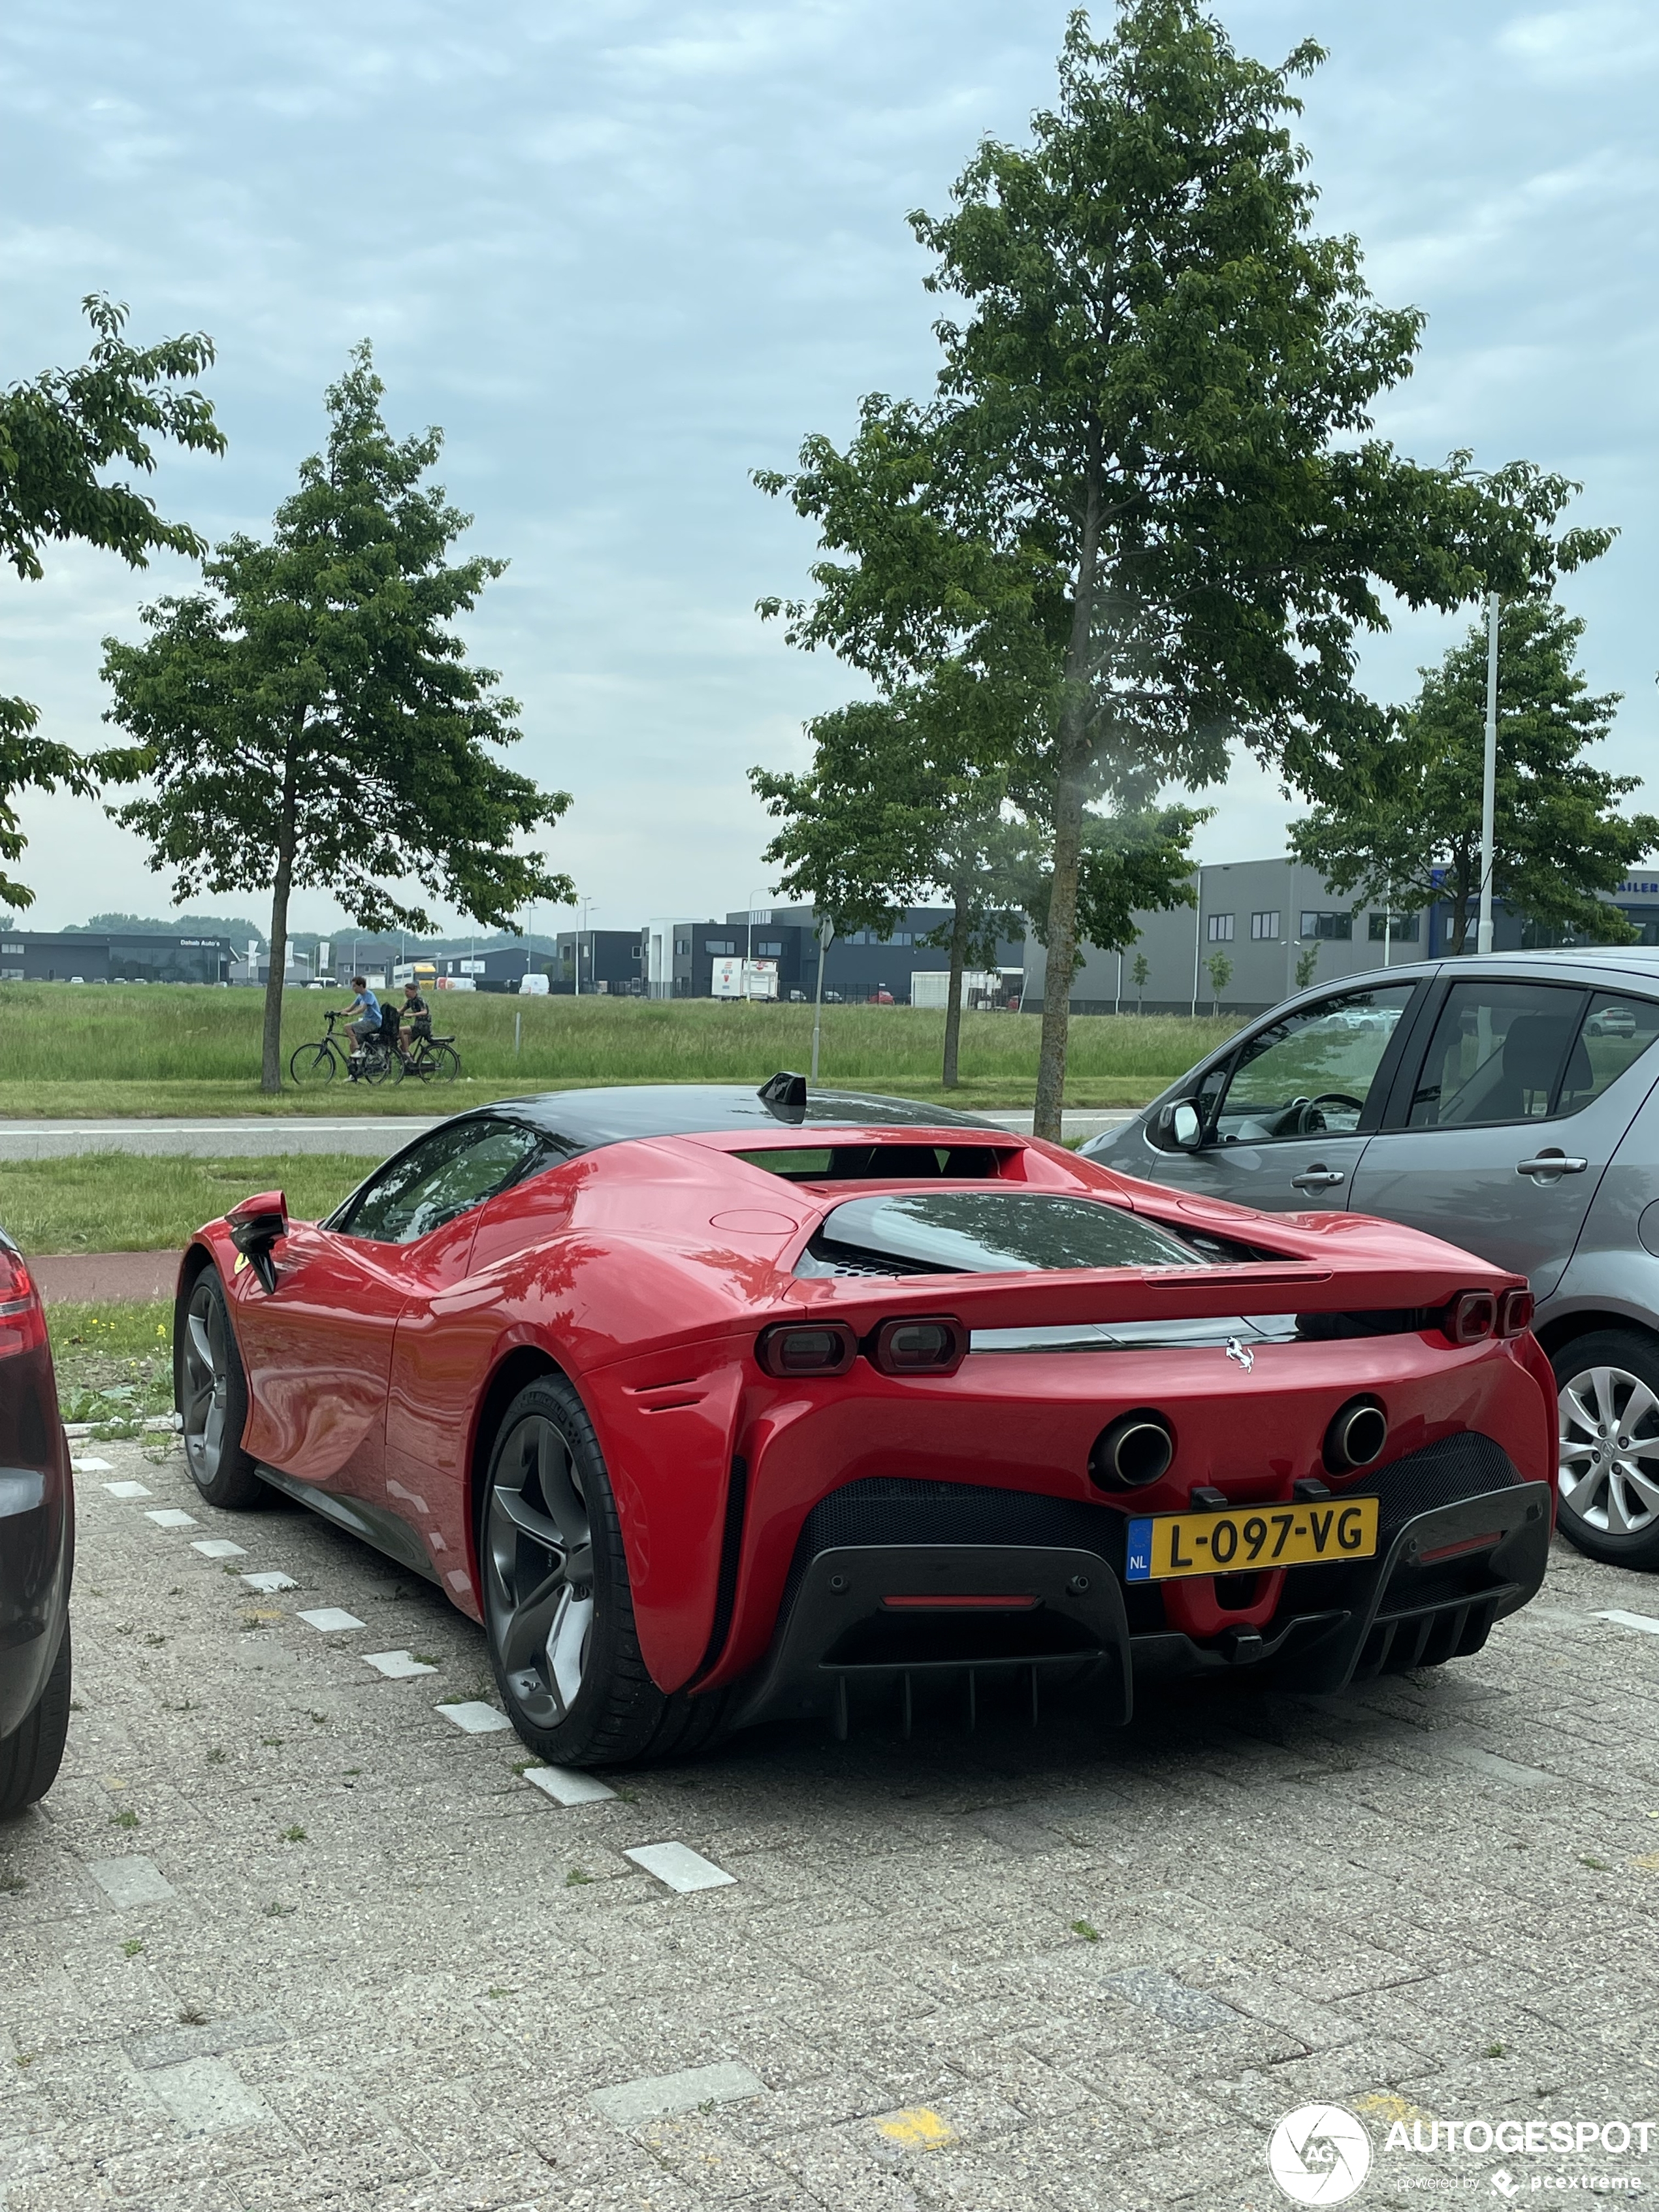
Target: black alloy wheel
x=212, y=1394
x=558, y=1613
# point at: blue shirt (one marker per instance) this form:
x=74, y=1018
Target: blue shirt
x=368, y=1002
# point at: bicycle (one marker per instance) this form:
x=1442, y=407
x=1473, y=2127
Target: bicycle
x=318, y=1062
x=433, y=1060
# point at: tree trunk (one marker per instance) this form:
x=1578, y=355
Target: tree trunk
x=953, y=997
x=270, y=1063
x=1460, y=873
x=1070, y=766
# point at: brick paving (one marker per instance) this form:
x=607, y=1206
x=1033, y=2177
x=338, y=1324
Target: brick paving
x=284, y=1938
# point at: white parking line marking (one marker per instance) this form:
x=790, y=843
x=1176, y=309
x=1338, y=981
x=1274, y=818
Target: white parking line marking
x=473, y=1717
x=124, y=1489
x=565, y=1786
x=330, y=1617
x=169, y=1516
x=268, y=1581
x=1644, y=1621
x=396, y=1666
x=680, y=1867
x=94, y=1466
x=132, y=1880
x=218, y=1547
x=631, y=2102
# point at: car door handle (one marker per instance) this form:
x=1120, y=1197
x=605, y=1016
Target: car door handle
x=1317, y=1178
x=1551, y=1164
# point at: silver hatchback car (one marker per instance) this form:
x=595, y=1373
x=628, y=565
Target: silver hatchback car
x=1509, y=1103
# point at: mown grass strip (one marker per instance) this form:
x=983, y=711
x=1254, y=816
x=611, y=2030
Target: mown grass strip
x=150, y=1202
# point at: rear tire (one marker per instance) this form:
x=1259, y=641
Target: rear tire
x=446, y=1063
x=311, y=1063
x=213, y=1400
x=32, y=1754
x=558, y=1613
x=1608, y=1479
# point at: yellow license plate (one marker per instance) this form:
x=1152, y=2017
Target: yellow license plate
x=1170, y=1544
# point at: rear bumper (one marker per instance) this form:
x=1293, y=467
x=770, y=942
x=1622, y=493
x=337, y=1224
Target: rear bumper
x=1462, y=1542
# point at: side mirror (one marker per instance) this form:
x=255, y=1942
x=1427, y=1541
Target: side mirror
x=255, y=1226
x=1186, y=1130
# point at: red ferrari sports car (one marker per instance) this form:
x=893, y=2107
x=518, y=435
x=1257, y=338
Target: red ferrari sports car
x=715, y=1406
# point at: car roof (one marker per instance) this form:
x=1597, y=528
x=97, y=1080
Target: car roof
x=588, y=1119
x=1636, y=960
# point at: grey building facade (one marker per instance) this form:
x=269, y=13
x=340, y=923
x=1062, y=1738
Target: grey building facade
x=85, y=956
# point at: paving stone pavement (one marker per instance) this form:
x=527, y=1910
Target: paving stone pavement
x=282, y=1937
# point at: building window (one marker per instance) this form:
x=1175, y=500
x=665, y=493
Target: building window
x=1396, y=929
x=1220, y=929
x=682, y=944
x=1265, y=925
x=1337, y=926
x=769, y=951
x=722, y=945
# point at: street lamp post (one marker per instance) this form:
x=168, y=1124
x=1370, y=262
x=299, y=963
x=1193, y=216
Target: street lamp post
x=826, y=937
x=588, y=906
x=1489, y=779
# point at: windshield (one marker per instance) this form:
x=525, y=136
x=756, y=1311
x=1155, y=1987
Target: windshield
x=976, y=1232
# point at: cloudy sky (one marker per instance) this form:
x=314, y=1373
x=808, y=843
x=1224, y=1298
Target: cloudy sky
x=626, y=251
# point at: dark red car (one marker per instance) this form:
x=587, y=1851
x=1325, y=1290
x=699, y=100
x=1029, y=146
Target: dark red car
x=714, y=1406
x=37, y=1547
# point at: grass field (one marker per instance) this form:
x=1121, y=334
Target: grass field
x=137, y=1202
x=114, y=1362
x=173, y=1049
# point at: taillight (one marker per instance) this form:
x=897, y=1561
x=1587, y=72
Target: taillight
x=1470, y=1315
x=794, y=1350
x=22, y=1319
x=935, y=1344
x=1515, y=1313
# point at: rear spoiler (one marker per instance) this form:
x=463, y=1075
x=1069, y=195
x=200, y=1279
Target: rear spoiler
x=1127, y=1294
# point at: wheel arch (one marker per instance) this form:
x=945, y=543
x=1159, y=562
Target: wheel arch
x=195, y=1262
x=517, y=1368
x=1556, y=1333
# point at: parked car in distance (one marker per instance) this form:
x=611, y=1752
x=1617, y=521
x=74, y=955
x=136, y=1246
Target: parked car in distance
x=714, y=1406
x=37, y=1547
x=1509, y=1103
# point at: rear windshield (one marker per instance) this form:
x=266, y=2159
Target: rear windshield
x=977, y=1232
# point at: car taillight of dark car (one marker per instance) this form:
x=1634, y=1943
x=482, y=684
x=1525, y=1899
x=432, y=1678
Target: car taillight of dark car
x=22, y=1318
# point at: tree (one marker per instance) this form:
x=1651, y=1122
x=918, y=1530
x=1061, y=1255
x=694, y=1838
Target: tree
x=1397, y=817
x=1151, y=443
x=1305, y=964
x=895, y=807
x=312, y=718
x=58, y=432
x=1220, y=971
x=1140, y=975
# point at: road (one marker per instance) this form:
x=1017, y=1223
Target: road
x=374, y=1136
x=285, y=1936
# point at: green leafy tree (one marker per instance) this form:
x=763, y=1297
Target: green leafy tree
x=312, y=718
x=1398, y=814
x=1220, y=970
x=1140, y=975
x=1305, y=964
x=1150, y=447
x=58, y=432
x=895, y=808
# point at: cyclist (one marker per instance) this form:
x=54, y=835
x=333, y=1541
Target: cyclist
x=365, y=1022
x=416, y=1011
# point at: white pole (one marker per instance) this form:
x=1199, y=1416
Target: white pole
x=1117, y=1003
x=1388, y=923
x=826, y=935
x=1198, y=934
x=1489, y=779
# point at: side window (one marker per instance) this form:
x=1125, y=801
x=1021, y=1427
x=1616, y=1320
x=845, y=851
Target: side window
x=1313, y=1071
x=453, y=1170
x=1520, y=1052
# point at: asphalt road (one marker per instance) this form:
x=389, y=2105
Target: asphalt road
x=376, y=1137
x=286, y=1936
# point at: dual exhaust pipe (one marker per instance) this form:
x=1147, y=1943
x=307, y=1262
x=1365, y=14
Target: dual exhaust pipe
x=1138, y=1448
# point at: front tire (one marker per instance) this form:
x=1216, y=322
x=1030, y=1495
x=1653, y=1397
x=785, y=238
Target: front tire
x=311, y=1063
x=558, y=1612
x=32, y=1754
x=1609, y=1386
x=213, y=1400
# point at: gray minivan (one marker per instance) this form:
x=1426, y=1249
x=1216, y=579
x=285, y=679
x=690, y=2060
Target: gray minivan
x=1508, y=1103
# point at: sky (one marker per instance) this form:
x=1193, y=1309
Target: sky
x=625, y=252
